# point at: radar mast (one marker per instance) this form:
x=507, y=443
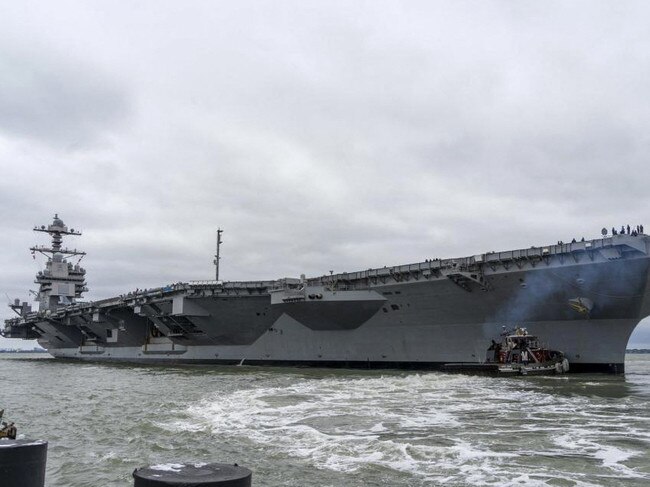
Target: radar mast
x=61, y=283
x=217, y=258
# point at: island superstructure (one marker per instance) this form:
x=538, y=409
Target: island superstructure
x=584, y=298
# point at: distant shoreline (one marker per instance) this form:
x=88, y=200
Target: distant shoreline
x=37, y=350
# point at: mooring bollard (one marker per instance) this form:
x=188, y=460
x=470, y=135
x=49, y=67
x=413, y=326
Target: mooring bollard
x=22, y=463
x=194, y=474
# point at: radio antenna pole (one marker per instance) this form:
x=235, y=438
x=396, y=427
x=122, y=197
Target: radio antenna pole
x=216, y=256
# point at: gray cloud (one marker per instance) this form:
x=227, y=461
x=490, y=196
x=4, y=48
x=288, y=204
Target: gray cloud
x=56, y=100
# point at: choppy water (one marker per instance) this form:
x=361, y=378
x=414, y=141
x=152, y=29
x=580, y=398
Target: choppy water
x=309, y=427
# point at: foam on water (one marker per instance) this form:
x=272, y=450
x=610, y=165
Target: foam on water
x=434, y=427
x=168, y=467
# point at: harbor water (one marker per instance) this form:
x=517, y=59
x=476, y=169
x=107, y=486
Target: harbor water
x=320, y=427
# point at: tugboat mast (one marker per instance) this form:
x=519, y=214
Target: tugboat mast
x=61, y=282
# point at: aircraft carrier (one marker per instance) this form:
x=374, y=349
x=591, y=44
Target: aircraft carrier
x=583, y=298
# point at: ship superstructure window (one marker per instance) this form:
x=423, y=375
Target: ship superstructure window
x=109, y=333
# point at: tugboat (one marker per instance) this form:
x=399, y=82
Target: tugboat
x=518, y=353
x=521, y=353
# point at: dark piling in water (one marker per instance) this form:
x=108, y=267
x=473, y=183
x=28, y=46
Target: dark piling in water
x=22, y=463
x=195, y=475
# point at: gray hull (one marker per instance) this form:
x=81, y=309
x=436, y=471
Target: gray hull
x=584, y=299
x=425, y=347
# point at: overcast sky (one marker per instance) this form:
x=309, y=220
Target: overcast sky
x=319, y=135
